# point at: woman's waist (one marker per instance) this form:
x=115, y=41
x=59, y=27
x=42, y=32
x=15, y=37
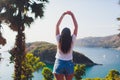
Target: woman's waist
x=61, y=60
x=64, y=57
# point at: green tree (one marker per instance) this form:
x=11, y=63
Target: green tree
x=17, y=14
x=30, y=64
x=47, y=73
x=113, y=75
x=79, y=71
x=94, y=79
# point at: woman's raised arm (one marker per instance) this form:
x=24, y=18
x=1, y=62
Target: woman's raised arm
x=58, y=24
x=74, y=21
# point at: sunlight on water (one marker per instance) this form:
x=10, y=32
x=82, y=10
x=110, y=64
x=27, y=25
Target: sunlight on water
x=104, y=56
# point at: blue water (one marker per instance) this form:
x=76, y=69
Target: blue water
x=110, y=59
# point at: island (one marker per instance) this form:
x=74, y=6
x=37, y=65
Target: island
x=47, y=51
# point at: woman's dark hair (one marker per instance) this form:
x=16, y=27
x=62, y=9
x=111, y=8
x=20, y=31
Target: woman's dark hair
x=65, y=40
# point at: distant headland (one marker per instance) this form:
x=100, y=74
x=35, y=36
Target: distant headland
x=112, y=41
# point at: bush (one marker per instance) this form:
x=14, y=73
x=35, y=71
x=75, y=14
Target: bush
x=79, y=71
x=47, y=73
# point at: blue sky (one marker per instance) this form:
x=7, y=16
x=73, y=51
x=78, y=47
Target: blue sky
x=95, y=18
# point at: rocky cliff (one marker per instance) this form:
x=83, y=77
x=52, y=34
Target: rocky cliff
x=112, y=41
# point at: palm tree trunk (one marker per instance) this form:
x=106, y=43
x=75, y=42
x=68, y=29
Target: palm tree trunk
x=20, y=45
x=19, y=56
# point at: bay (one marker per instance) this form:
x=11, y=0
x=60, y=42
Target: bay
x=110, y=59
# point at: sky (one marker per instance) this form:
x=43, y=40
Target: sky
x=96, y=18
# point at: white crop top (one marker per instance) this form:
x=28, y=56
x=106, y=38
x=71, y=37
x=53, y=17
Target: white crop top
x=60, y=54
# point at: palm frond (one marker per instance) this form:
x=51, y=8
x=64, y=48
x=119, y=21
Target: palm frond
x=28, y=20
x=37, y=9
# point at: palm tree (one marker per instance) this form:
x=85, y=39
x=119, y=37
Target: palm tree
x=17, y=14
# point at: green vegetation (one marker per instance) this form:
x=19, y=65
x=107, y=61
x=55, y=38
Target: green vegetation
x=30, y=64
x=112, y=75
x=94, y=79
x=79, y=71
x=47, y=73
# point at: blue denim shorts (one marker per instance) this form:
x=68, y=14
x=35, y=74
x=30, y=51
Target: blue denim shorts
x=63, y=67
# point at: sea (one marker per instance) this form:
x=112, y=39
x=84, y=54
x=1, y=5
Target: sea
x=109, y=58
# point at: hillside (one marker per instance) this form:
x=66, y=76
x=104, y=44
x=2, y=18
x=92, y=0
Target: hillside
x=47, y=51
x=106, y=42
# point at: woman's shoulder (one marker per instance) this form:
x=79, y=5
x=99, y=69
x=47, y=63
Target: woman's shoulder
x=58, y=37
x=73, y=37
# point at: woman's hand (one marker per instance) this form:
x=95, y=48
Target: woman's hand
x=64, y=14
x=69, y=13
